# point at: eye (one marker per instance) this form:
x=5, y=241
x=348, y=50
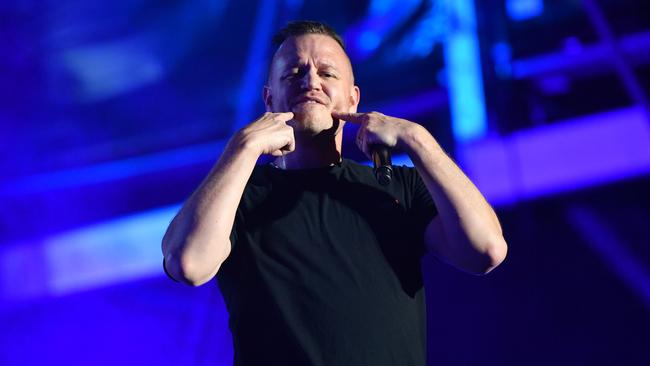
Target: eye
x=329, y=74
x=291, y=73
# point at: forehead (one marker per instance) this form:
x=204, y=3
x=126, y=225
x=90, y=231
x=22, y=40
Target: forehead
x=320, y=48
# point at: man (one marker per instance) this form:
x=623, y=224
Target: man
x=317, y=262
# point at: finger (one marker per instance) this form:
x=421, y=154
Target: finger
x=364, y=149
x=350, y=117
x=361, y=140
x=285, y=150
x=291, y=146
x=284, y=116
x=291, y=139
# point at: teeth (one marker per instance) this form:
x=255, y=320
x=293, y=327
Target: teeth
x=309, y=102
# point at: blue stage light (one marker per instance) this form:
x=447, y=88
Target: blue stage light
x=527, y=165
x=524, y=9
x=249, y=91
x=502, y=58
x=369, y=41
x=383, y=17
x=557, y=158
x=465, y=79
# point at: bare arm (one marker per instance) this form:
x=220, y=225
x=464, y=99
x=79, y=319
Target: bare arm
x=197, y=240
x=466, y=232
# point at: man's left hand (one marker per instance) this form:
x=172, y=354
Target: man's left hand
x=378, y=128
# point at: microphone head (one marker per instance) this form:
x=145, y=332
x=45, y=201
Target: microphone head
x=384, y=174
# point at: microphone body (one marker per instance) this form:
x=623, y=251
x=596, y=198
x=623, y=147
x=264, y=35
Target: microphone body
x=382, y=164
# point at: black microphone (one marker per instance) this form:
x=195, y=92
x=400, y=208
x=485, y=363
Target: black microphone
x=382, y=163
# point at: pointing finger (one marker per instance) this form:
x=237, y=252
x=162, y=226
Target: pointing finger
x=350, y=117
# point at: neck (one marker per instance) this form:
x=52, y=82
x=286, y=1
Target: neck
x=317, y=151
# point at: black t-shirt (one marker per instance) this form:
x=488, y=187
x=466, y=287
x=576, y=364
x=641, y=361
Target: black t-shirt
x=325, y=268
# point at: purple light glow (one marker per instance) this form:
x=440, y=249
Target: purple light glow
x=530, y=164
x=120, y=250
x=586, y=58
x=565, y=156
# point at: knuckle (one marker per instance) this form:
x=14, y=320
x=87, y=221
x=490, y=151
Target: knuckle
x=283, y=117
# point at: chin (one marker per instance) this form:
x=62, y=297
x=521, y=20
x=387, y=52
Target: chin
x=312, y=123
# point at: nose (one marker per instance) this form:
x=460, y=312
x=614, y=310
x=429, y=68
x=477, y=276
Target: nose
x=310, y=80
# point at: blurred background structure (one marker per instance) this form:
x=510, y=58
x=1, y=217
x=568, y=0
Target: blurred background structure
x=111, y=113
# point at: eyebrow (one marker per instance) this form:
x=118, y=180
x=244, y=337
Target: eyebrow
x=296, y=62
x=328, y=64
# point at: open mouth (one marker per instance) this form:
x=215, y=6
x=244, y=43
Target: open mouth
x=307, y=105
x=308, y=100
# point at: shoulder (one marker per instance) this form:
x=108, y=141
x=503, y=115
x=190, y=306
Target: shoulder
x=258, y=186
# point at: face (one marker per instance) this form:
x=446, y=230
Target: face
x=311, y=76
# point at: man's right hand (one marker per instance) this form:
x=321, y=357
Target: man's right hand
x=269, y=134
x=197, y=241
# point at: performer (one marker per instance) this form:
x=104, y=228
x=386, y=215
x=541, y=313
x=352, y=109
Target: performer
x=317, y=262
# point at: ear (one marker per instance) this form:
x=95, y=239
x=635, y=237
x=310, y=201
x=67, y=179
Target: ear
x=266, y=96
x=355, y=97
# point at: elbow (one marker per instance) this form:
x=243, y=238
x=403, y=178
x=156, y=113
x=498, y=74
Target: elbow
x=494, y=254
x=194, y=273
x=193, y=269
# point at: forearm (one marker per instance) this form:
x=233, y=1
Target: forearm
x=473, y=239
x=197, y=240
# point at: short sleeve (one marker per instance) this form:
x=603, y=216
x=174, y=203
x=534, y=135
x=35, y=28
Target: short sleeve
x=422, y=208
x=233, y=231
